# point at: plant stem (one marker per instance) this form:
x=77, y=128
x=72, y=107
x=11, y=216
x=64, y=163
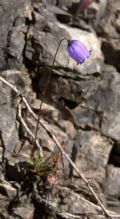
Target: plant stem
x=44, y=93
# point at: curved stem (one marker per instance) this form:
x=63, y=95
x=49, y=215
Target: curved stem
x=44, y=93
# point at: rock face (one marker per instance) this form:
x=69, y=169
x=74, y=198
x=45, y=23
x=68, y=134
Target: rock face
x=40, y=48
x=98, y=110
x=81, y=108
x=92, y=160
x=111, y=48
x=9, y=11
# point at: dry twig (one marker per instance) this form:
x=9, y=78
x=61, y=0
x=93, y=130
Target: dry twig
x=50, y=133
x=28, y=130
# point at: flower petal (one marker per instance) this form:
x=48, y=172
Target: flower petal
x=78, y=51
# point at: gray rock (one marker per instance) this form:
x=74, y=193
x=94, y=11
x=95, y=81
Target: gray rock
x=61, y=3
x=107, y=102
x=93, y=64
x=111, y=50
x=100, y=107
x=8, y=128
x=8, y=105
x=112, y=181
x=68, y=127
x=44, y=40
x=108, y=28
x=3, y=203
x=62, y=91
x=16, y=43
x=7, y=189
x=106, y=98
x=87, y=96
x=41, y=47
x=46, y=141
x=117, y=23
x=22, y=81
x=8, y=121
x=92, y=154
x=9, y=10
x=111, y=126
x=25, y=211
x=69, y=205
x=86, y=118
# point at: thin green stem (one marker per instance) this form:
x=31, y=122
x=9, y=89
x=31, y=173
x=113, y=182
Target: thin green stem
x=44, y=93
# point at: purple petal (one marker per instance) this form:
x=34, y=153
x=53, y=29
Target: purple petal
x=78, y=51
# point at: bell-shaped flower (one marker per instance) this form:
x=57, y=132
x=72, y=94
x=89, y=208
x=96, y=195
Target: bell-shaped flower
x=78, y=51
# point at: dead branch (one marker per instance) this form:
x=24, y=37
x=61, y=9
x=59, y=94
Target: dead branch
x=50, y=133
x=28, y=130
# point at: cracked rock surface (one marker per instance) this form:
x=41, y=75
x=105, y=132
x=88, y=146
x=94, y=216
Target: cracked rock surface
x=81, y=107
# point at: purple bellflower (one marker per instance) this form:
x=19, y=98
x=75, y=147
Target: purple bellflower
x=78, y=51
